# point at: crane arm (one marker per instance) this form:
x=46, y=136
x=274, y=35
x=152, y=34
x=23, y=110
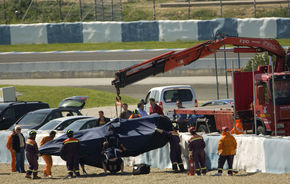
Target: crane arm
x=174, y=59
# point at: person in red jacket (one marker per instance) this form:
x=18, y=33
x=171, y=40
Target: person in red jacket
x=154, y=108
x=12, y=153
x=196, y=147
x=32, y=155
x=47, y=158
x=70, y=153
x=226, y=150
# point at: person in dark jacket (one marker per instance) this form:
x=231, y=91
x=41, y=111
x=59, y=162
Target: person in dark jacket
x=32, y=155
x=102, y=119
x=175, y=149
x=114, y=140
x=112, y=160
x=18, y=145
x=196, y=147
x=70, y=153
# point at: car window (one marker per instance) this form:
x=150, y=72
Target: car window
x=68, y=113
x=32, y=119
x=3, y=107
x=64, y=124
x=177, y=94
x=90, y=124
x=50, y=125
x=9, y=114
x=54, y=115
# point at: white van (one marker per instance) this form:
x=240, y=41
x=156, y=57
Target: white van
x=166, y=97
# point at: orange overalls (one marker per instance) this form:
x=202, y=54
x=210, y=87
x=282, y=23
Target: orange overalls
x=47, y=158
x=239, y=126
x=9, y=147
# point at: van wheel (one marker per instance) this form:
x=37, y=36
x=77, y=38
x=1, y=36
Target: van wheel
x=202, y=128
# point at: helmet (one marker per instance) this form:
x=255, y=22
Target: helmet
x=136, y=111
x=69, y=133
x=175, y=126
x=225, y=128
x=192, y=130
x=32, y=132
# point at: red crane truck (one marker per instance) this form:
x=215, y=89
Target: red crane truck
x=213, y=119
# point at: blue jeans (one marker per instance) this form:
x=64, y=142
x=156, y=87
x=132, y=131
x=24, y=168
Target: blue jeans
x=20, y=160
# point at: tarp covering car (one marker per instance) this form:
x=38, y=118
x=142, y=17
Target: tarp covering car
x=137, y=135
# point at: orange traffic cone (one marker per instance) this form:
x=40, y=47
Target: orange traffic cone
x=191, y=167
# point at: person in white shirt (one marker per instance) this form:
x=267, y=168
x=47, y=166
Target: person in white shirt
x=141, y=110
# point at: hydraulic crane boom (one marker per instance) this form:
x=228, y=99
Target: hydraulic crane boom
x=174, y=59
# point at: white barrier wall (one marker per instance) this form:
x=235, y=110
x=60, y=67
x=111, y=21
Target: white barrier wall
x=99, y=32
x=163, y=30
x=178, y=30
x=254, y=153
x=28, y=34
x=5, y=154
x=257, y=28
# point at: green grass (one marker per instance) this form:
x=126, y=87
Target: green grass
x=105, y=46
x=53, y=95
x=95, y=46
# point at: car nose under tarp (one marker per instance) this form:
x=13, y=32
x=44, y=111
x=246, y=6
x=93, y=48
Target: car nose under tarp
x=137, y=135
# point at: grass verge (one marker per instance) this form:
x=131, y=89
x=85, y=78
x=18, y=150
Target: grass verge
x=105, y=46
x=53, y=95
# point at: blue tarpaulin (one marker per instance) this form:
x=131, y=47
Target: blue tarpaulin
x=137, y=135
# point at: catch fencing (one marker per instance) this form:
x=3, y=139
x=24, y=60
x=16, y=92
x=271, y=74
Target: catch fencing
x=39, y=11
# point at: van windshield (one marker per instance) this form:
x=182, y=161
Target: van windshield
x=177, y=94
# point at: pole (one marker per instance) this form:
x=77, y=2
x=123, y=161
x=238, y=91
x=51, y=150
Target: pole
x=103, y=14
x=188, y=12
x=81, y=11
x=288, y=8
x=36, y=7
x=216, y=77
x=221, y=7
x=274, y=95
x=154, y=16
x=233, y=85
x=239, y=60
x=112, y=7
x=121, y=10
x=255, y=8
x=254, y=97
x=227, y=85
x=4, y=6
x=95, y=10
x=59, y=9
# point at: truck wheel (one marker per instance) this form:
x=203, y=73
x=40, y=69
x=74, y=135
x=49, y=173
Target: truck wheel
x=202, y=128
x=260, y=130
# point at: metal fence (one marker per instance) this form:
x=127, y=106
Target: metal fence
x=36, y=11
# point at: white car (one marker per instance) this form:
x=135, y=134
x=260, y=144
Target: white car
x=166, y=97
x=61, y=123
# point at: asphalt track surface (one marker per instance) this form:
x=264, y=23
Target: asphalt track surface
x=95, y=56
x=204, y=86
